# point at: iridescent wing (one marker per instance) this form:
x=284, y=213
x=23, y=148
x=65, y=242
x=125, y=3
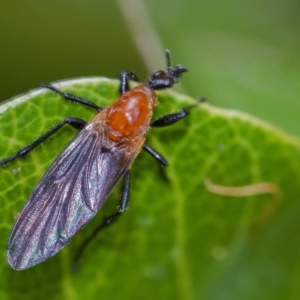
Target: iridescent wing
x=69, y=195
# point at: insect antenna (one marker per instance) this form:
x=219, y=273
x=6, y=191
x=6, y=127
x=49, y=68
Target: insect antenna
x=168, y=59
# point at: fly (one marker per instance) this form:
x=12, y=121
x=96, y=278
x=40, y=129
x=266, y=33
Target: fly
x=77, y=183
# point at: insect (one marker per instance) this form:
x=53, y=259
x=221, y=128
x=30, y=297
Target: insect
x=79, y=180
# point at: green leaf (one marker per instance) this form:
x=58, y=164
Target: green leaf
x=177, y=240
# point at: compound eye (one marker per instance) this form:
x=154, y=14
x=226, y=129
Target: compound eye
x=159, y=74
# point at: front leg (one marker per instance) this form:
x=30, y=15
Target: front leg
x=124, y=81
x=72, y=97
x=170, y=119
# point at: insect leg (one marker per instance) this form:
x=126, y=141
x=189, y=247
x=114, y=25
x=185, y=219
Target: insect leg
x=170, y=119
x=77, y=123
x=159, y=157
x=124, y=81
x=72, y=97
x=123, y=202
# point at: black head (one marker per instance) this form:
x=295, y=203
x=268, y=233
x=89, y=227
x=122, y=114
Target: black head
x=165, y=79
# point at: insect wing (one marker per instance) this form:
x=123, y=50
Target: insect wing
x=69, y=195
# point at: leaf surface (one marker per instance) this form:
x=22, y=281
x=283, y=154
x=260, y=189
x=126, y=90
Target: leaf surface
x=177, y=240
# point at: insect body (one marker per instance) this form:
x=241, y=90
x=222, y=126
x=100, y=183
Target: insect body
x=79, y=180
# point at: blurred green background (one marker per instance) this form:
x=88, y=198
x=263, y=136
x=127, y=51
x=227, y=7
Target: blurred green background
x=240, y=54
